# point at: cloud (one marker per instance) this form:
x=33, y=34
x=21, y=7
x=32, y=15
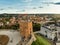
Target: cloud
x=47, y=3
x=1, y=9
x=40, y=7
x=27, y=0
x=58, y=3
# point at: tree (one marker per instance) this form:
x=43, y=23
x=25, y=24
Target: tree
x=36, y=27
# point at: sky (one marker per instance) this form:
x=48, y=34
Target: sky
x=30, y=6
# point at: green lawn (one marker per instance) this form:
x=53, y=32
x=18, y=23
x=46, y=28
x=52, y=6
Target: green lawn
x=41, y=41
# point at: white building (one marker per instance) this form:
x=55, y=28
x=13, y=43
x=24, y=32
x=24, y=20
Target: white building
x=48, y=32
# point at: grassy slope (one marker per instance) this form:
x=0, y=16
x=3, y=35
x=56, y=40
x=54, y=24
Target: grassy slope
x=40, y=41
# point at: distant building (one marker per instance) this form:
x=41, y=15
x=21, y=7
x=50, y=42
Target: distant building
x=48, y=31
x=12, y=20
x=1, y=24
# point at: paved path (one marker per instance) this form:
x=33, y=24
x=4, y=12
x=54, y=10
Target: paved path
x=57, y=43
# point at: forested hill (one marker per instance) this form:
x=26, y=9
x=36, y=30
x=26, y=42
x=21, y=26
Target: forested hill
x=7, y=15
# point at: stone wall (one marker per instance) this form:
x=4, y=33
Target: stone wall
x=29, y=42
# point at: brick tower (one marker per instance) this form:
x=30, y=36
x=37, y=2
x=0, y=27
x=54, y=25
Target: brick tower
x=25, y=29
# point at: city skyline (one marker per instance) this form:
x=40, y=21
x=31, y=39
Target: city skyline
x=30, y=6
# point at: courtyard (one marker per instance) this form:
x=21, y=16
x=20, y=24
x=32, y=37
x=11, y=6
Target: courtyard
x=12, y=36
